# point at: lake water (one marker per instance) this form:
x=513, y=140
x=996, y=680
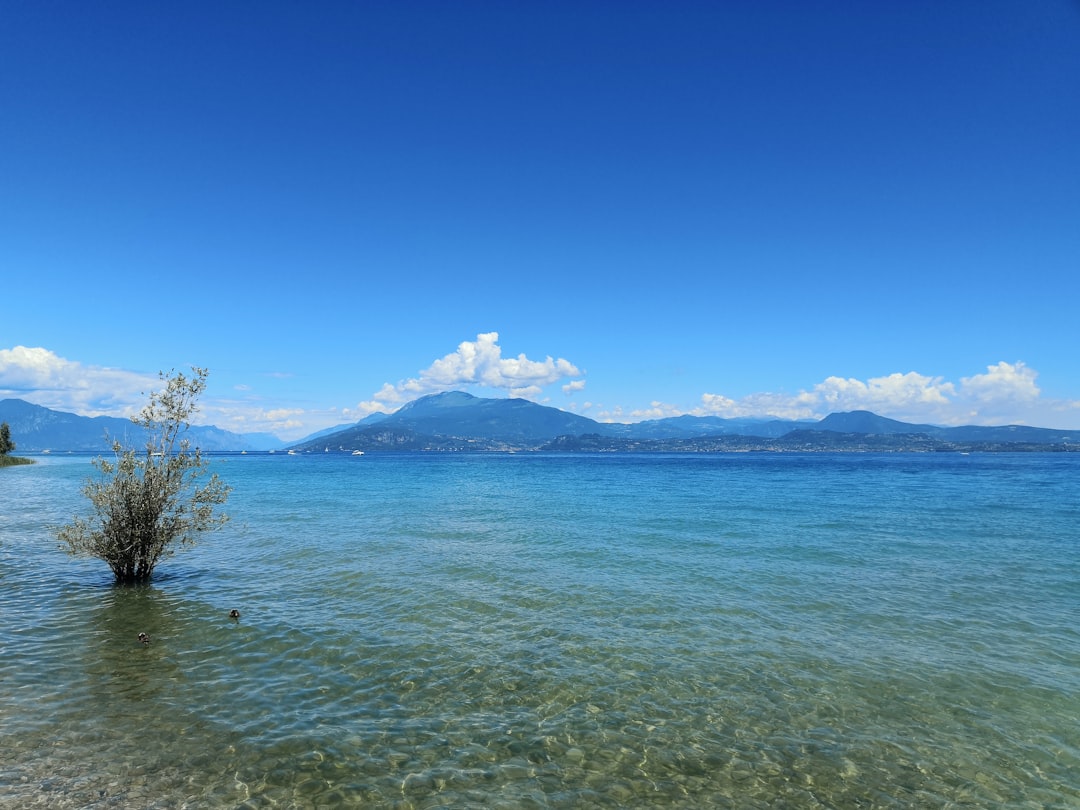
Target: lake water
x=531, y=631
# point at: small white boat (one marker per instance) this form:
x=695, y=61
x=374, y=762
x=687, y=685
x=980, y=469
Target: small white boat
x=358, y=452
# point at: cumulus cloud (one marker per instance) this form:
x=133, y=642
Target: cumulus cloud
x=1006, y=393
x=46, y=379
x=250, y=417
x=656, y=410
x=1005, y=390
x=1003, y=381
x=910, y=392
x=476, y=363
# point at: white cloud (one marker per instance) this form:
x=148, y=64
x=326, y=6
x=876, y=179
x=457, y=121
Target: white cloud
x=1004, y=381
x=527, y=392
x=781, y=406
x=911, y=392
x=246, y=417
x=385, y=400
x=44, y=378
x=613, y=415
x=475, y=363
x=656, y=410
x=1005, y=394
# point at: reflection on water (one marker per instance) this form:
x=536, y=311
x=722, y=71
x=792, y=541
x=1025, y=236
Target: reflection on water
x=547, y=632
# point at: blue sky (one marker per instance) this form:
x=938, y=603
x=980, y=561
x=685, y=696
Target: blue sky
x=622, y=209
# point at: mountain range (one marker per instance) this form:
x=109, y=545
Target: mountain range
x=35, y=429
x=457, y=421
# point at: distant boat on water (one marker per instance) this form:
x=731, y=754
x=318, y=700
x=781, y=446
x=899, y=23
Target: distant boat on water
x=358, y=452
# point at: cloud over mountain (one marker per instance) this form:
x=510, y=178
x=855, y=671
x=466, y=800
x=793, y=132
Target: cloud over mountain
x=67, y=385
x=47, y=379
x=1006, y=393
x=477, y=363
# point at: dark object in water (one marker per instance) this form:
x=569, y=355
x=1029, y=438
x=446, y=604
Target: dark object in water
x=234, y=614
x=144, y=638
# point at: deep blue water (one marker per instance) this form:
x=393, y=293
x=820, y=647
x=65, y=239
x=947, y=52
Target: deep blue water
x=743, y=630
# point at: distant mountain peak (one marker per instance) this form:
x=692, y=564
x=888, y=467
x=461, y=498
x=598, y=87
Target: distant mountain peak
x=444, y=399
x=868, y=422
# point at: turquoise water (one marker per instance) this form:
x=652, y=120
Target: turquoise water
x=744, y=631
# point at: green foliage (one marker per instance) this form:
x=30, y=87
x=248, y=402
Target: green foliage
x=7, y=446
x=147, y=502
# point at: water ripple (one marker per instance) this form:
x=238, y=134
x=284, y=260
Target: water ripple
x=564, y=633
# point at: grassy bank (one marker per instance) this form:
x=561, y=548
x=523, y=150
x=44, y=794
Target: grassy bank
x=12, y=461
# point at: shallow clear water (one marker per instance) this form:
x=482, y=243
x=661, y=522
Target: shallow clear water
x=742, y=631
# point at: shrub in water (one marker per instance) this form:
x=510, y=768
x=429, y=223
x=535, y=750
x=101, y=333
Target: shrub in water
x=147, y=502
